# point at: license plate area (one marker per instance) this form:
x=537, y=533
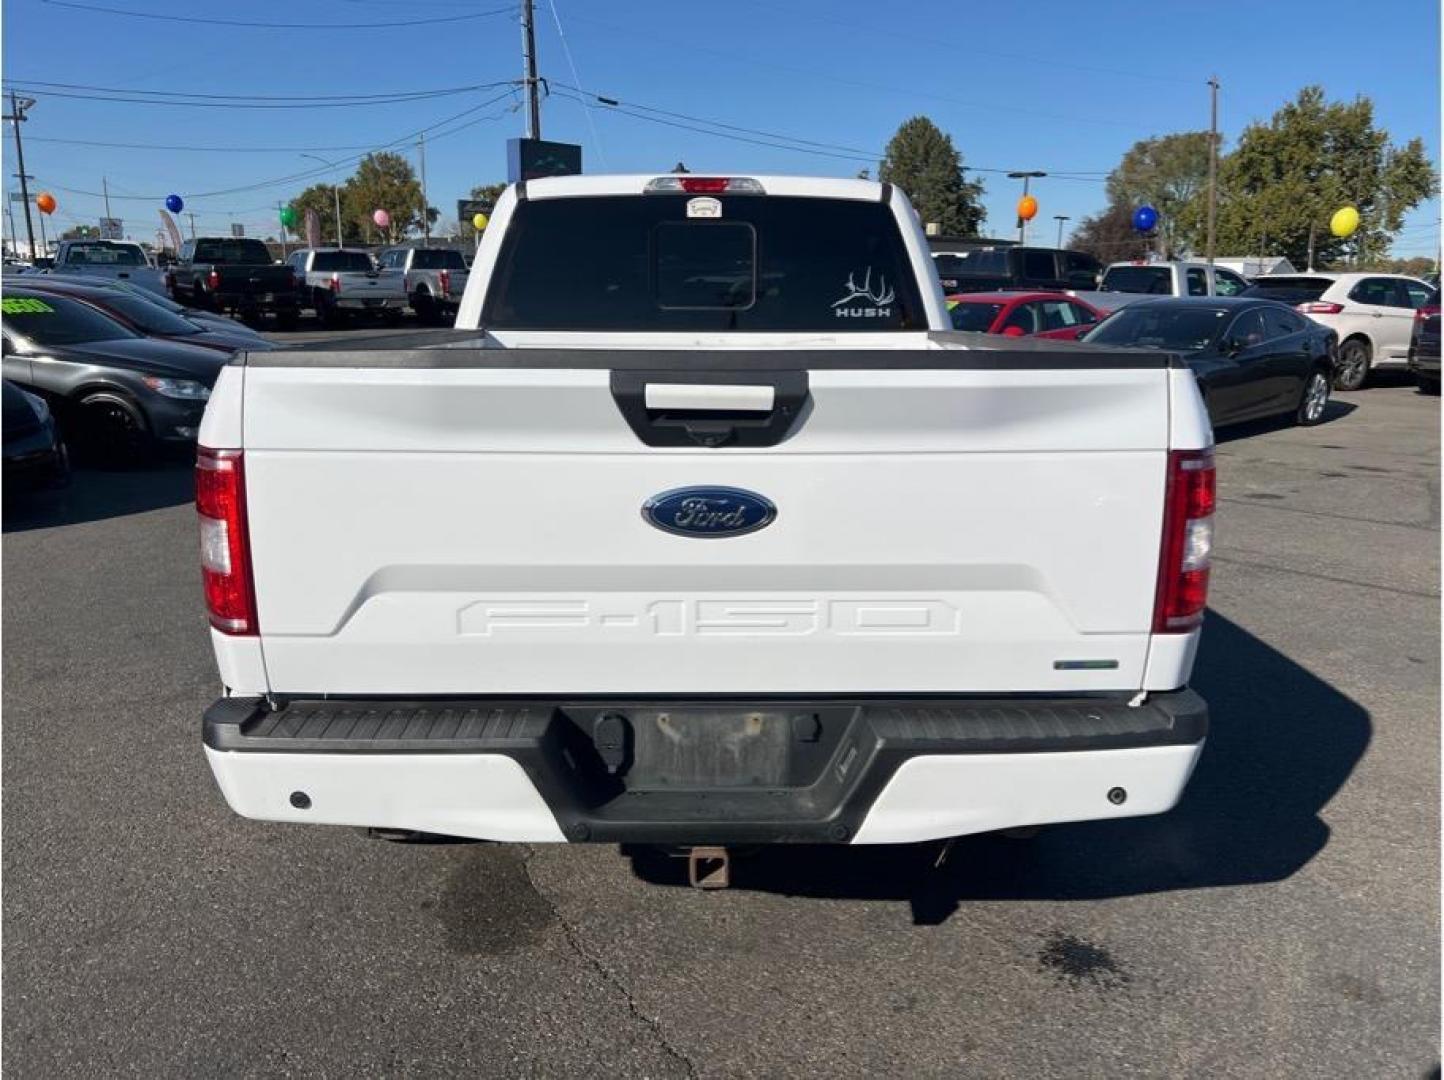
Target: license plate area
x=727, y=747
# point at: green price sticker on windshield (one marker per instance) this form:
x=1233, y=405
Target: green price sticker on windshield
x=24, y=306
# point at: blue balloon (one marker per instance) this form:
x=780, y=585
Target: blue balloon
x=1144, y=218
x=174, y=203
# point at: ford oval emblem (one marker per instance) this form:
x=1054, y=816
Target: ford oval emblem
x=709, y=511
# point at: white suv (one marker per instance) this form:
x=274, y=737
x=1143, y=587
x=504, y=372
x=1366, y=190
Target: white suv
x=1373, y=315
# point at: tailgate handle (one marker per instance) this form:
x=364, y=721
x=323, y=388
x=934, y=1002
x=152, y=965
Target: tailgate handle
x=710, y=396
x=712, y=408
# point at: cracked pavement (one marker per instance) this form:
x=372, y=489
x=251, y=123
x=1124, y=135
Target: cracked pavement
x=1284, y=920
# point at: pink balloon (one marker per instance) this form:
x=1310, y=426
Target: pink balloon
x=382, y=219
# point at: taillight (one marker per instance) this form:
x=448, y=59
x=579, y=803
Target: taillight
x=445, y=277
x=213, y=281
x=336, y=284
x=1319, y=307
x=1425, y=313
x=225, y=553
x=1187, y=542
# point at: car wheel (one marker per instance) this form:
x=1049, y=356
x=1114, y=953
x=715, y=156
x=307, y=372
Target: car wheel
x=424, y=306
x=1428, y=385
x=1352, y=371
x=199, y=300
x=110, y=431
x=1314, y=401
x=327, y=311
x=286, y=320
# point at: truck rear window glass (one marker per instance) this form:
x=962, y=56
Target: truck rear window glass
x=437, y=259
x=332, y=262
x=1155, y=280
x=234, y=252
x=776, y=263
x=104, y=255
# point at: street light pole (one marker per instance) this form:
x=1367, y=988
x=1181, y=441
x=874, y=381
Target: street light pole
x=335, y=191
x=1025, y=177
x=1213, y=165
x=1060, y=218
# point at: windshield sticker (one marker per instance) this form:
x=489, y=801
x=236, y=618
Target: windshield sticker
x=24, y=306
x=704, y=207
x=880, y=298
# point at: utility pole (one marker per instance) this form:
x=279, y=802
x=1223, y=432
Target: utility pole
x=1025, y=177
x=336, y=194
x=528, y=49
x=1212, y=163
x=1060, y=218
x=425, y=218
x=105, y=191
x=192, y=215
x=17, y=116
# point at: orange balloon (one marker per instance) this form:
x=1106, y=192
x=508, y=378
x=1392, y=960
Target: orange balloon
x=1027, y=208
x=45, y=202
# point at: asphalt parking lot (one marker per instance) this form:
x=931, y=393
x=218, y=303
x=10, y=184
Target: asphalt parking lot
x=1282, y=921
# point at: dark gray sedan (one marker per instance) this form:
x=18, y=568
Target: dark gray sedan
x=116, y=393
x=1253, y=358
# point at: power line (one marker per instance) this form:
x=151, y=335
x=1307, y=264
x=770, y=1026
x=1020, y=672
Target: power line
x=572, y=64
x=199, y=104
x=166, y=17
x=311, y=173
x=439, y=91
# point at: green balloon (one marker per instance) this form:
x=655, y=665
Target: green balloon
x=288, y=216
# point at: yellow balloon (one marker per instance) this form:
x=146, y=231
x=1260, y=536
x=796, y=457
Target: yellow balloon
x=478, y=222
x=1344, y=221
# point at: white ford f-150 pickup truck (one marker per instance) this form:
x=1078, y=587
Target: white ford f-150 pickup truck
x=703, y=529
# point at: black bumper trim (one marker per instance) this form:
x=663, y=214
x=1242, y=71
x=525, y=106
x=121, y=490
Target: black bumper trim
x=840, y=751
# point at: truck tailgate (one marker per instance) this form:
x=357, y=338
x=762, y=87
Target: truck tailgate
x=461, y=522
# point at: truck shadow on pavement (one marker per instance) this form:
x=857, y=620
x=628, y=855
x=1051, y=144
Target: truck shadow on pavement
x=97, y=494
x=1281, y=743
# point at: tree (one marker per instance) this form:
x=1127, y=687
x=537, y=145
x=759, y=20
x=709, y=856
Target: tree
x=321, y=198
x=922, y=161
x=1109, y=235
x=1169, y=173
x=81, y=232
x=382, y=182
x=486, y=193
x=1288, y=176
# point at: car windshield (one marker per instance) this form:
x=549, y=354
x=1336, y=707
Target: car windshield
x=331, y=262
x=984, y=261
x=1291, y=290
x=1161, y=326
x=972, y=316
x=58, y=321
x=105, y=255
x=1154, y=280
x=437, y=259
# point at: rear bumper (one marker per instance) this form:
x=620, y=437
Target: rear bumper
x=697, y=772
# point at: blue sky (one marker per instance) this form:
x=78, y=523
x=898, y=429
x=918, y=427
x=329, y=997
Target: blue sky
x=1064, y=87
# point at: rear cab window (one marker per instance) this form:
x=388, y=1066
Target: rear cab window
x=332, y=262
x=1153, y=280
x=237, y=252
x=767, y=263
x=433, y=259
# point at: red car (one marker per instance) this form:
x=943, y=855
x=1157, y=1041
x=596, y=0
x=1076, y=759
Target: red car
x=1020, y=314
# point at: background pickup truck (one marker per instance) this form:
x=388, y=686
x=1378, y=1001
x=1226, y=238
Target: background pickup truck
x=731, y=541
x=112, y=259
x=1170, y=279
x=434, y=279
x=336, y=283
x=224, y=273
